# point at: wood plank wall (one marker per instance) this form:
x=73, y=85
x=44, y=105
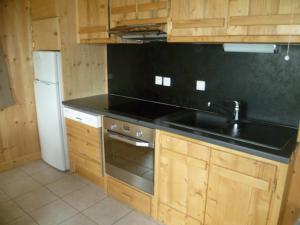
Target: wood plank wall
x=84, y=66
x=19, y=140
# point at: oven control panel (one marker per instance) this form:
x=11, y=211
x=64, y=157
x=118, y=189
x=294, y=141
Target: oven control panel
x=129, y=129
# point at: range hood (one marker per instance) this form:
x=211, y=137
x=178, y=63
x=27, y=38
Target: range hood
x=141, y=33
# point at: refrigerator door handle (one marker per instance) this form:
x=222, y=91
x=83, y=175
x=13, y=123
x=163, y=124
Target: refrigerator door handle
x=44, y=82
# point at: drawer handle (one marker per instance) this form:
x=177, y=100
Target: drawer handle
x=127, y=196
x=78, y=118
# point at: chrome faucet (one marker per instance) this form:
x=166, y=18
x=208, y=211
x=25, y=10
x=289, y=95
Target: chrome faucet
x=236, y=112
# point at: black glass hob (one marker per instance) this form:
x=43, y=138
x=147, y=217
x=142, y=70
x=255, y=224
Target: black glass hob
x=143, y=109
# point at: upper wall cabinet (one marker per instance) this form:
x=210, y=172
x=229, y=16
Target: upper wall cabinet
x=43, y=9
x=136, y=12
x=92, y=21
x=45, y=25
x=235, y=21
x=198, y=17
x=45, y=34
x=264, y=17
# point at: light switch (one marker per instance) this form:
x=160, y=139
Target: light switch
x=200, y=86
x=167, y=81
x=158, y=80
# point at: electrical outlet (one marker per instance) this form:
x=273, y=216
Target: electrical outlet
x=167, y=81
x=158, y=80
x=200, y=85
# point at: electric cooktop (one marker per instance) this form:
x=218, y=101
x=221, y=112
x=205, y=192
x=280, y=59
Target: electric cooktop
x=143, y=109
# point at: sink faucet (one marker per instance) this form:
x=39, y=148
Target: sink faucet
x=236, y=111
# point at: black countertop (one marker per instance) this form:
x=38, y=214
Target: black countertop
x=157, y=116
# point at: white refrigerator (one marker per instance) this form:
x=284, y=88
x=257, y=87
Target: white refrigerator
x=48, y=99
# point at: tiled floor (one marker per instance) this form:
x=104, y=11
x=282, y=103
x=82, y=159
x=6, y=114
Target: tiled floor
x=38, y=194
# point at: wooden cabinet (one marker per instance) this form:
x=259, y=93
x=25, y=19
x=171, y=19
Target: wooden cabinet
x=239, y=190
x=129, y=195
x=92, y=21
x=43, y=9
x=204, y=184
x=85, y=151
x=45, y=34
x=198, y=17
x=182, y=182
x=135, y=12
x=45, y=25
x=235, y=21
x=264, y=17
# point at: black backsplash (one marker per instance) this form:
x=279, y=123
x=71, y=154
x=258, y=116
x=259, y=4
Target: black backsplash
x=269, y=85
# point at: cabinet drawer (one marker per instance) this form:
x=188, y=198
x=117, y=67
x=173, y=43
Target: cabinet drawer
x=169, y=216
x=243, y=165
x=130, y=196
x=183, y=146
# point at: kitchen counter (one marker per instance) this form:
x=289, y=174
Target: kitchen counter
x=156, y=116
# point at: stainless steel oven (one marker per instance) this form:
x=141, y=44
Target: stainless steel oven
x=129, y=153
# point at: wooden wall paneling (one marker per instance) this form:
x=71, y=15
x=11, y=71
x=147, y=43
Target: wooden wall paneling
x=84, y=66
x=6, y=99
x=18, y=126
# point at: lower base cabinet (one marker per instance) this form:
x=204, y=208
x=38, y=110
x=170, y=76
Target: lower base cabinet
x=85, y=151
x=203, y=184
x=134, y=198
x=170, y=216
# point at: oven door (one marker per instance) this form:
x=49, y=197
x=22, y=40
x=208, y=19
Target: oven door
x=129, y=160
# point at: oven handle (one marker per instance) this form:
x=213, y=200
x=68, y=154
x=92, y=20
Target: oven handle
x=129, y=141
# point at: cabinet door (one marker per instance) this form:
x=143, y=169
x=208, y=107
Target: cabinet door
x=264, y=17
x=198, y=17
x=182, y=186
x=43, y=9
x=135, y=12
x=45, y=34
x=239, y=191
x=84, y=140
x=92, y=21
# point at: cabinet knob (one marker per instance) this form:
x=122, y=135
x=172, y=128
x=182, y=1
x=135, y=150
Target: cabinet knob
x=139, y=134
x=113, y=126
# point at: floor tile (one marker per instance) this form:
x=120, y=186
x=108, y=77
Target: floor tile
x=135, y=218
x=79, y=220
x=3, y=197
x=48, y=175
x=67, y=185
x=84, y=197
x=53, y=213
x=9, y=211
x=10, y=175
x=34, y=167
x=24, y=220
x=19, y=186
x=107, y=211
x=35, y=199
